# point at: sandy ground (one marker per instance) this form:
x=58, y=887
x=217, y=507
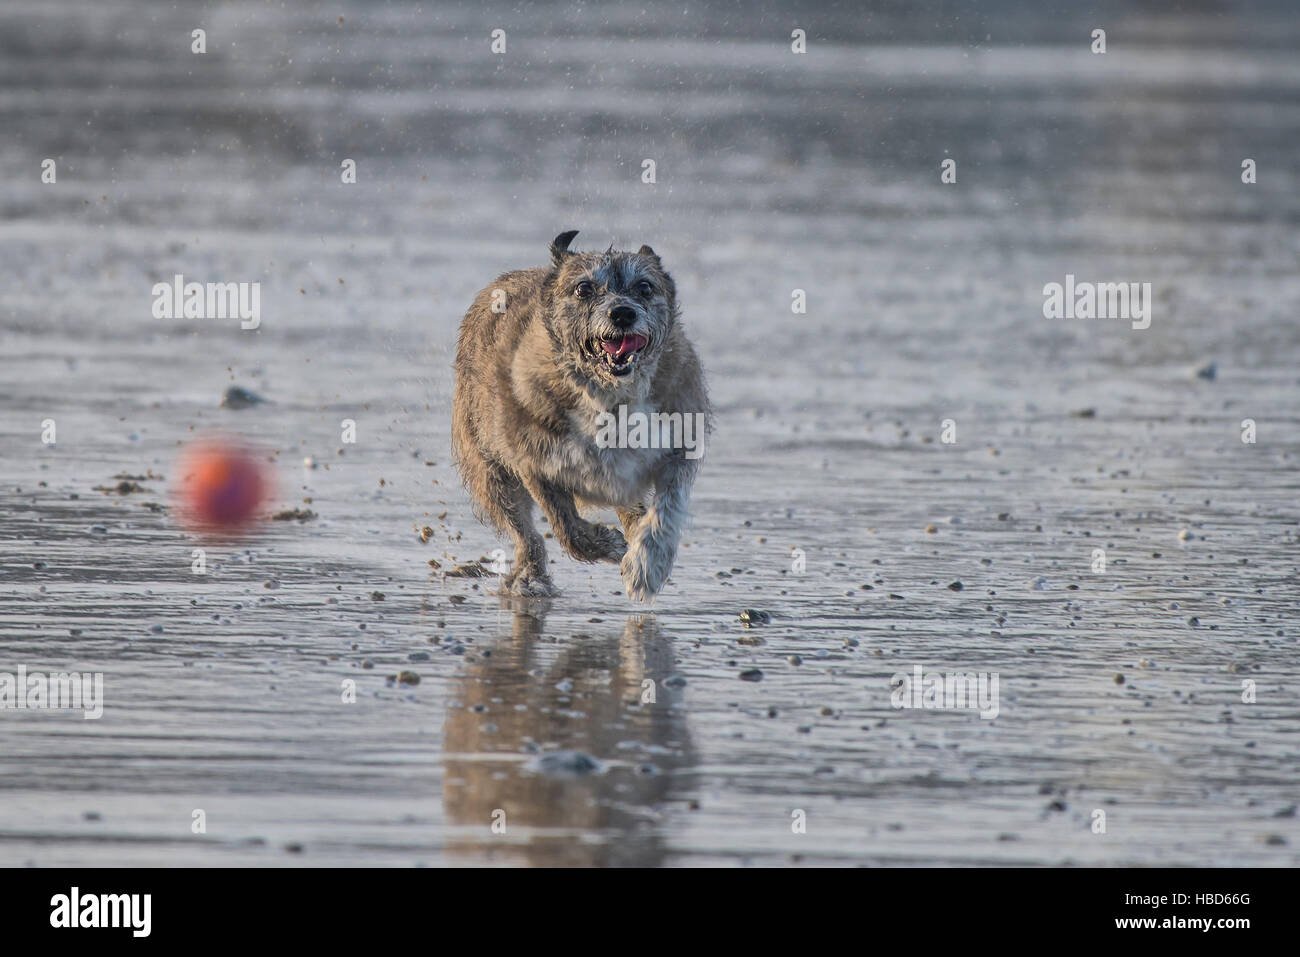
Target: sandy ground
x=775, y=172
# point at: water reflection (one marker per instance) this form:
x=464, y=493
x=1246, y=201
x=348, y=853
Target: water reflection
x=524, y=718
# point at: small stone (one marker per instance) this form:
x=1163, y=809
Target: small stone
x=566, y=764
x=753, y=674
x=237, y=397
x=752, y=616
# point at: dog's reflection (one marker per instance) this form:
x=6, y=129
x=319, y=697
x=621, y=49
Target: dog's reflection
x=562, y=749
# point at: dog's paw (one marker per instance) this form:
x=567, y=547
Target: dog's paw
x=645, y=567
x=529, y=583
x=597, y=543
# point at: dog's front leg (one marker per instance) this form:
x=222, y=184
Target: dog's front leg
x=582, y=539
x=652, y=546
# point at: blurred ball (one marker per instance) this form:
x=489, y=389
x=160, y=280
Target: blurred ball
x=223, y=485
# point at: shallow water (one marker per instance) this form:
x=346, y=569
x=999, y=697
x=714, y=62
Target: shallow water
x=774, y=173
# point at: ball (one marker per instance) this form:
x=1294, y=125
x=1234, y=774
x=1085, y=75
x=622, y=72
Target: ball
x=224, y=486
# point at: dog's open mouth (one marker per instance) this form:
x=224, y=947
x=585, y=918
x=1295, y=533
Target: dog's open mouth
x=620, y=352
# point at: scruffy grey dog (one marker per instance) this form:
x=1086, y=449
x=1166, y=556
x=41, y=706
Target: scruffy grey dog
x=564, y=343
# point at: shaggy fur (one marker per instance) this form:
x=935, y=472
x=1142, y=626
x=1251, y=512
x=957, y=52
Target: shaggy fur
x=532, y=378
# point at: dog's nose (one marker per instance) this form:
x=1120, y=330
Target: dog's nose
x=622, y=315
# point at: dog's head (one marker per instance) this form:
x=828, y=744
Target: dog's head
x=610, y=313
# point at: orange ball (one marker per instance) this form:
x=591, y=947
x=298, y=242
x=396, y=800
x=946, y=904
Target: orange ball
x=224, y=485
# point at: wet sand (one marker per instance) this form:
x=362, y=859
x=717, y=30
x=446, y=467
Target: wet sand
x=774, y=173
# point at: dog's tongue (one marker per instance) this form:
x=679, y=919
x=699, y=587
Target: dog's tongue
x=617, y=347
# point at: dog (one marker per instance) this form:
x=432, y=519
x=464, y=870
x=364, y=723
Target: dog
x=545, y=358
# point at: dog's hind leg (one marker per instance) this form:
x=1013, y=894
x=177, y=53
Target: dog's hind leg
x=503, y=501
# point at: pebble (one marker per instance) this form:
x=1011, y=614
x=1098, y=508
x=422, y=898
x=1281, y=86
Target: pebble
x=237, y=397
x=566, y=763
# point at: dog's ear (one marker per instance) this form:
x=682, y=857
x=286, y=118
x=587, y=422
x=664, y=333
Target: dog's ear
x=560, y=246
x=647, y=251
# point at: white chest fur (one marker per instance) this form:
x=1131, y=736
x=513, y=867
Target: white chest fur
x=597, y=470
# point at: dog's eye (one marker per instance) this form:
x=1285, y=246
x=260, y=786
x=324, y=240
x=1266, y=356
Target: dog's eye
x=584, y=289
x=644, y=288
